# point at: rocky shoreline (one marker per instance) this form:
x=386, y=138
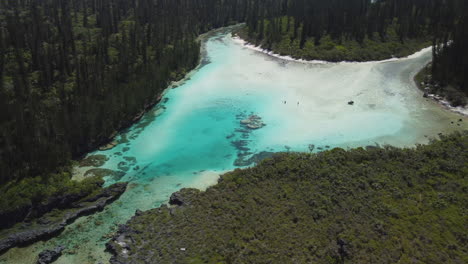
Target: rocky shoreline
x=444, y=95
x=293, y=206
x=122, y=242
x=53, y=223
x=50, y=255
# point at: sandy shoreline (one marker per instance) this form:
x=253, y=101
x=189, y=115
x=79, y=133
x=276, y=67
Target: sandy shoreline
x=446, y=105
x=248, y=45
x=437, y=99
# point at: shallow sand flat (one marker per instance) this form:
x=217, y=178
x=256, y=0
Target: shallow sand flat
x=197, y=136
x=388, y=108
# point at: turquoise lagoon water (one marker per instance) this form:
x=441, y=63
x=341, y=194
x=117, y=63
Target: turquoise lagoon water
x=194, y=134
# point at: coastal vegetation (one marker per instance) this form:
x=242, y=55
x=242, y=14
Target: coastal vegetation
x=75, y=72
x=355, y=30
x=448, y=91
x=327, y=48
x=19, y=199
x=344, y=30
x=450, y=57
x=48, y=219
x=374, y=205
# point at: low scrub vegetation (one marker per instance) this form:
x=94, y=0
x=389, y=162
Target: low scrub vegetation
x=378, y=205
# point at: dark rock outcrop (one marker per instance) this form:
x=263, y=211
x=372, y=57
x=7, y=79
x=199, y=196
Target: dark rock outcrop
x=48, y=256
x=31, y=211
x=50, y=226
x=183, y=197
x=122, y=242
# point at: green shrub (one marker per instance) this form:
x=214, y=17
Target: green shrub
x=387, y=205
x=28, y=191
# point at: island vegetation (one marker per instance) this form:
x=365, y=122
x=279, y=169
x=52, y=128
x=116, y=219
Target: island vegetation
x=75, y=72
x=354, y=30
x=374, y=205
x=328, y=48
x=438, y=90
x=343, y=30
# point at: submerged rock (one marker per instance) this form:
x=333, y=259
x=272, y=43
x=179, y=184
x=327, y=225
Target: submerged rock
x=48, y=256
x=241, y=145
x=100, y=172
x=253, y=122
x=242, y=161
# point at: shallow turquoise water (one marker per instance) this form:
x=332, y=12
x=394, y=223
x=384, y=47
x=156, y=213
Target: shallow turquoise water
x=190, y=137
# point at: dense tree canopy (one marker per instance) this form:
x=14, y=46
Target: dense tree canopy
x=342, y=19
x=377, y=205
x=443, y=21
x=450, y=24
x=73, y=72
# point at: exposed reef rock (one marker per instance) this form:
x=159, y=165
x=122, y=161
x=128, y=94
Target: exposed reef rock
x=52, y=223
x=48, y=256
x=253, y=122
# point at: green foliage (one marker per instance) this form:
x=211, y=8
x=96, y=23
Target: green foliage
x=450, y=56
x=385, y=205
x=72, y=73
x=340, y=49
x=451, y=91
x=36, y=190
